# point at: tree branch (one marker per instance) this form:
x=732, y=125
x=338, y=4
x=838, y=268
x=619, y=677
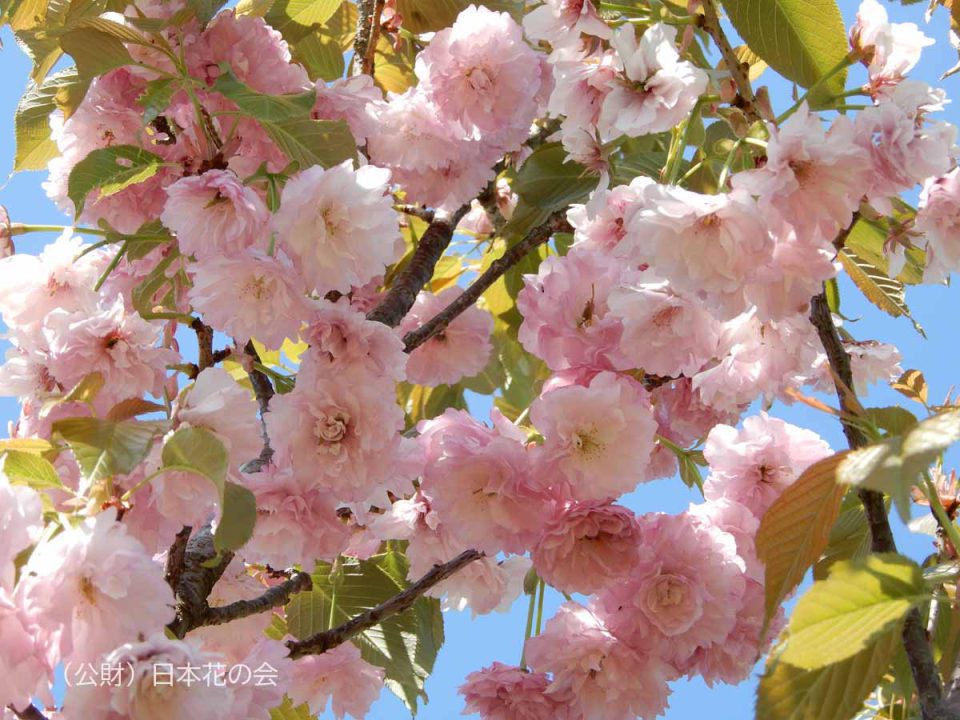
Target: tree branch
x=30, y=712
x=746, y=100
x=204, y=344
x=915, y=642
x=539, y=235
x=196, y=581
x=368, y=32
x=271, y=598
x=403, y=292
x=321, y=642
x=263, y=389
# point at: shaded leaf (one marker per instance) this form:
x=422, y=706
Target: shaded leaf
x=310, y=142
x=885, y=293
x=35, y=147
x=849, y=536
x=105, y=448
x=913, y=385
x=261, y=106
x=110, y=170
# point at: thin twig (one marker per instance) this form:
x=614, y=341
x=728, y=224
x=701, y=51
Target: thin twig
x=204, y=344
x=417, y=211
x=436, y=324
x=915, y=642
x=30, y=712
x=368, y=32
x=274, y=597
x=746, y=100
x=403, y=292
x=263, y=389
x=321, y=642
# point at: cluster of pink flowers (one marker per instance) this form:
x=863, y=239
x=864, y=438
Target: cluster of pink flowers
x=672, y=312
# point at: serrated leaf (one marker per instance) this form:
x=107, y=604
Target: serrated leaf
x=35, y=446
x=110, y=170
x=295, y=19
x=885, y=293
x=796, y=529
x=867, y=240
x=320, y=55
x=35, y=147
x=27, y=468
x=104, y=448
x=858, y=602
x=912, y=384
x=132, y=407
x=404, y=645
x=834, y=692
x=310, y=142
x=393, y=68
x=801, y=39
x=274, y=108
x=94, y=52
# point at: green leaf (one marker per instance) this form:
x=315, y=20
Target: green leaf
x=205, y=9
x=295, y=19
x=796, y=529
x=34, y=446
x=885, y=293
x=320, y=55
x=29, y=469
x=849, y=536
x=801, y=39
x=892, y=466
x=110, y=170
x=392, y=67
x=95, y=52
x=867, y=240
x=834, y=692
x=404, y=645
x=859, y=601
x=287, y=711
x=199, y=451
x=155, y=98
x=313, y=142
x=260, y=106
x=549, y=183
x=105, y=448
x=35, y=148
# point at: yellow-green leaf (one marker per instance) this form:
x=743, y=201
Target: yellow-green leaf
x=803, y=40
x=796, y=529
x=35, y=148
x=859, y=601
x=35, y=446
x=886, y=293
x=27, y=468
x=913, y=385
x=104, y=448
x=834, y=692
x=110, y=170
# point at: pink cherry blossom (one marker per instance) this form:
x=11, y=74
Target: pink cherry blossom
x=562, y=22
x=870, y=362
x=338, y=677
x=481, y=73
x=21, y=523
x=152, y=688
x=939, y=221
x=583, y=82
x=682, y=415
x=410, y=135
x=599, y=437
x=587, y=546
x=216, y=402
x=813, y=178
x=597, y=673
x=664, y=333
x=338, y=225
x=684, y=592
x=93, y=587
x=566, y=319
x=111, y=339
x=479, y=483
x=256, y=53
x=756, y=464
x=349, y=99
x=461, y=350
x=339, y=431
x=502, y=692
x=657, y=89
x=295, y=524
x=250, y=294
x=23, y=669
x=341, y=337
x=737, y=520
x=600, y=224
x=215, y=215
x=703, y=244
x=890, y=50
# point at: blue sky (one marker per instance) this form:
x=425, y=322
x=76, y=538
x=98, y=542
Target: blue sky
x=472, y=644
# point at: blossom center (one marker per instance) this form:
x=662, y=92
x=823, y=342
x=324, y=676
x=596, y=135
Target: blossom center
x=87, y=590
x=672, y=604
x=331, y=429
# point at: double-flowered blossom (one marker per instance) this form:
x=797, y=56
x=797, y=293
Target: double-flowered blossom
x=939, y=220
x=21, y=523
x=562, y=22
x=889, y=50
x=338, y=225
x=460, y=351
x=339, y=678
x=24, y=671
x=657, y=89
x=594, y=671
x=152, y=687
x=91, y=588
x=502, y=692
x=755, y=464
x=598, y=438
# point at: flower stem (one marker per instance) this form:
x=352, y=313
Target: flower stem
x=835, y=70
x=543, y=587
x=529, y=630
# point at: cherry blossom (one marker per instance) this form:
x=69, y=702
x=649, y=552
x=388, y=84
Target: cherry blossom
x=338, y=677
